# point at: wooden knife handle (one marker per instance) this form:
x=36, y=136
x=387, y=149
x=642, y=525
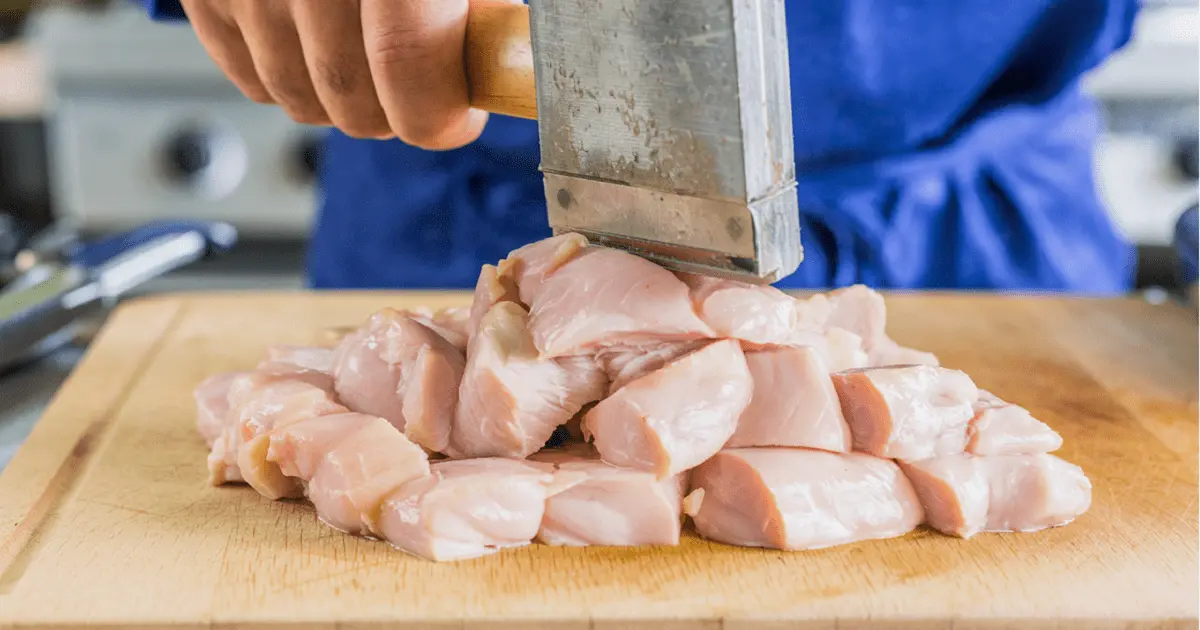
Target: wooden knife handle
x=499, y=59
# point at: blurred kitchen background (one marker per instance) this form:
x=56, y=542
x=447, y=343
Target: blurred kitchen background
x=108, y=121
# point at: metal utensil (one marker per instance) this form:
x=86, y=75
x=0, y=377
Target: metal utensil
x=36, y=315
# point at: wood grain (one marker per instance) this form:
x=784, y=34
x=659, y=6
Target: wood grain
x=106, y=519
x=499, y=59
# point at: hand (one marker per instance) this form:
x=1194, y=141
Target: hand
x=371, y=68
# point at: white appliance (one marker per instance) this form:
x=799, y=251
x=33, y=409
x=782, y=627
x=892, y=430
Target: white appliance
x=144, y=126
x=1146, y=159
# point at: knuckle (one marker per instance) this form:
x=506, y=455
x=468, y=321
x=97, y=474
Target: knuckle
x=340, y=74
x=401, y=44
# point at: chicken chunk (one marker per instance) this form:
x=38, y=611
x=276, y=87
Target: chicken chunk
x=674, y=418
x=966, y=494
x=794, y=403
x=604, y=297
x=606, y=505
x=466, y=508
x=510, y=399
x=451, y=324
x=784, y=498
x=365, y=466
x=1001, y=428
x=277, y=404
x=303, y=357
x=375, y=368
x=624, y=364
x=529, y=266
x=756, y=315
x=907, y=412
x=299, y=448
x=212, y=405
x=257, y=403
x=490, y=289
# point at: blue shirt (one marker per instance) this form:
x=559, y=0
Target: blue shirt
x=938, y=145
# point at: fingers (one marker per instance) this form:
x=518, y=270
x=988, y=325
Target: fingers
x=224, y=43
x=274, y=45
x=415, y=52
x=336, y=58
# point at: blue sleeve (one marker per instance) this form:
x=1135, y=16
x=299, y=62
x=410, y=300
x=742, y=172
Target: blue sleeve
x=163, y=10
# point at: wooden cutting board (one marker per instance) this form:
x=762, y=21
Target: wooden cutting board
x=106, y=518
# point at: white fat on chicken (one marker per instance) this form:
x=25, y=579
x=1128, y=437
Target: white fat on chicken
x=467, y=508
x=606, y=505
x=400, y=370
x=907, y=412
x=672, y=419
x=790, y=498
x=1001, y=428
x=604, y=297
x=794, y=403
x=966, y=494
x=511, y=399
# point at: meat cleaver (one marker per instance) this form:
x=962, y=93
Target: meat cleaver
x=665, y=127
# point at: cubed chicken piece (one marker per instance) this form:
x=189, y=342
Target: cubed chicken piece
x=259, y=402
x=212, y=405
x=907, y=412
x=753, y=314
x=299, y=448
x=466, y=508
x=490, y=289
x=353, y=478
x=672, y=419
x=863, y=312
x=451, y=324
x=303, y=357
x=794, y=403
x=606, y=505
x=785, y=498
x=624, y=364
x=1001, y=428
x=966, y=494
x=842, y=349
x=604, y=297
x=529, y=266
x=277, y=404
x=375, y=368
x=510, y=399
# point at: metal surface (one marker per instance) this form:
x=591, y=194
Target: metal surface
x=670, y=123
x=36, y=319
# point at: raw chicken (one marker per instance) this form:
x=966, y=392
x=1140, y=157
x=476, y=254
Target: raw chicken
x=365, y=466
x=490, y=289
x=510, y=399
x=299, y=448
x=965, y=494
x=674, y=418
x=530, y=265
x=624, y=364
x=1001, y=428
x=257, y=402
x=756, y=315
x=451, y=324
x=793, y=404
x=212, y=405
x=275, y=405
x=375, y=368
x=786, y=498
x=604, y=297
x=466, y=508
x=303, y=357
x=863, y=312
x=606, y=505
x=907, y=412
